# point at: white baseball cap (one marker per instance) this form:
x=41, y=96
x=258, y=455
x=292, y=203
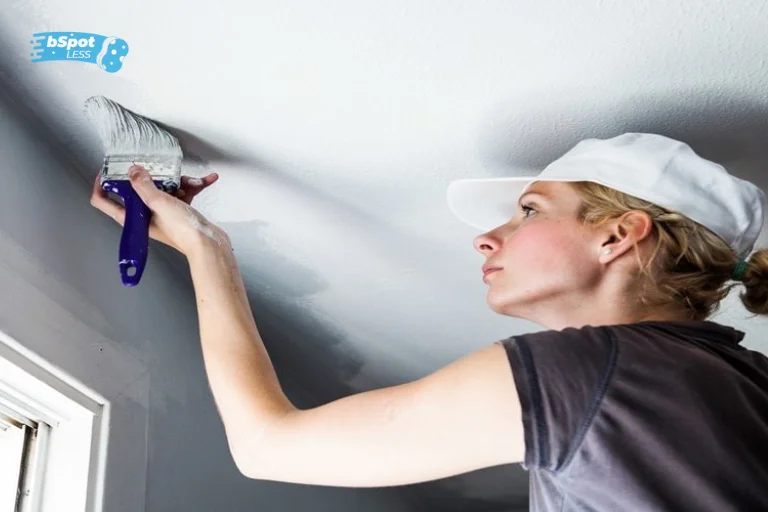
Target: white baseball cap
x=653, y=167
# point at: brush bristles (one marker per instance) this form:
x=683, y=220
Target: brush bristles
x=124, y=133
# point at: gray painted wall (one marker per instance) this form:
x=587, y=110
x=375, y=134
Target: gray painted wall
x=60, y=296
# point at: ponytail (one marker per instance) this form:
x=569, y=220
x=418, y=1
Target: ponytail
x=755, y=280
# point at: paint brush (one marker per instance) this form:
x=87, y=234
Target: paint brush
x=130, y=139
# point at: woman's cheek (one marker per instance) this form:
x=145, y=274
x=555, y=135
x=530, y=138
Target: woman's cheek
x=539, y=246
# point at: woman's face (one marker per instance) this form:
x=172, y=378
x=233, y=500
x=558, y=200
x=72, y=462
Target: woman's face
x=549, y=259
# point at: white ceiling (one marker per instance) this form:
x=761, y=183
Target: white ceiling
x=335, y=127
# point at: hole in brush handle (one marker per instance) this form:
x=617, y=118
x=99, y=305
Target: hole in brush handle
x=129, y=272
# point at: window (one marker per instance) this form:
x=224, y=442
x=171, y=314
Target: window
x=51, y=436
x=12, y=440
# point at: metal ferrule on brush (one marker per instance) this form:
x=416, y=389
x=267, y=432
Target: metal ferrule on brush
x=165, y=171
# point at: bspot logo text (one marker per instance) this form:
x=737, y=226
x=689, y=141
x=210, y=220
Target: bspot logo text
x=106, y=52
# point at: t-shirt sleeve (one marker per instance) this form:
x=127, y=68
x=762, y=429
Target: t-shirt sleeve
x=561, y=378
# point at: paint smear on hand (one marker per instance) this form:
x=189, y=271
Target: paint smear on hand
x=195, y=182
x=198, y=223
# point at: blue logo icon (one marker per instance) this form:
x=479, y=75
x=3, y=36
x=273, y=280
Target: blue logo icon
x=105, y=51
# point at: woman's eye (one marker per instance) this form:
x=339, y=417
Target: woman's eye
x=525, y=208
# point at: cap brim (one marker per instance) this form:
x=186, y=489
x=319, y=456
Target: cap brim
x=486, y=203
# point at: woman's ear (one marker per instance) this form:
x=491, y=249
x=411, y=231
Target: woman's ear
x=623, y=233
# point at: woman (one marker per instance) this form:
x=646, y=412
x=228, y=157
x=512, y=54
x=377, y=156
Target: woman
x=631, y=400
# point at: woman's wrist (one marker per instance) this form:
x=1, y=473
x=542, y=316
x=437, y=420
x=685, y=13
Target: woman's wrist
x=214, y=243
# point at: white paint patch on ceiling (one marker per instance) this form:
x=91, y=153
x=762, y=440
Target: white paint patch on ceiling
x=335, y=127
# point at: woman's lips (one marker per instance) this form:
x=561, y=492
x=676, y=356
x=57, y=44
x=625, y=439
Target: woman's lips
x=489, y=271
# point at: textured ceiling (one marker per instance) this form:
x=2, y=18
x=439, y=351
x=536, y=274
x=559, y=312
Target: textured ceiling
x=335, y=127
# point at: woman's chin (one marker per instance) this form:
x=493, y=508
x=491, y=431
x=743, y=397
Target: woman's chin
x=505, y=301
x=500, y=305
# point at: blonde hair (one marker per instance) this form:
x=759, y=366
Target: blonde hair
x=690, y=267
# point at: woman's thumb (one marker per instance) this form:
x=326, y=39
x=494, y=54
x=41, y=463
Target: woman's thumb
x=141, y=181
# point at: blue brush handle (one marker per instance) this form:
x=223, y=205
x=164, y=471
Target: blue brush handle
x=134, y=243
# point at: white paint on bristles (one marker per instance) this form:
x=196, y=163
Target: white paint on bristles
x=130, y=139
x=124, y=133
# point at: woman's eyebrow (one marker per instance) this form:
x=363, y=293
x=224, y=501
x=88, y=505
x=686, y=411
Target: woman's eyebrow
x=532, y=193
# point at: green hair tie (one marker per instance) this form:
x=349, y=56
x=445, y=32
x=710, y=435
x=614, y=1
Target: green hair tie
x=738, y=271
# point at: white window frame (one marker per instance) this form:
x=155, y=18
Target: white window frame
x=41, y=414
x=34, y=449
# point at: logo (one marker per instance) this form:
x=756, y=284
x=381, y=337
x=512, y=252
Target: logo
x=105, y=51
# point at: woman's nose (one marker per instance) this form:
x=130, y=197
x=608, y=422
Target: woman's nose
x=487, y=243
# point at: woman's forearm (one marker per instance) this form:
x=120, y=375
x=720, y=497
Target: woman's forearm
x=242, y=378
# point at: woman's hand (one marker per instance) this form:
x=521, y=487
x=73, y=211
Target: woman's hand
x=174, y=221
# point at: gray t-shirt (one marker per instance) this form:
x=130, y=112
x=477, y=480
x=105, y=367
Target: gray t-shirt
x=649, y=416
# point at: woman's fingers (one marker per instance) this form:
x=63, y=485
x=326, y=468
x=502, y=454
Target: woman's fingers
x=145, y=188
x=190, y=186
x=201, y=183
x=101, y=201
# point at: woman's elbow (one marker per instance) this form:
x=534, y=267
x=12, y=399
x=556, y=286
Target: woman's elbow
x=253, y=450
x=247, y=467
x=265, y=466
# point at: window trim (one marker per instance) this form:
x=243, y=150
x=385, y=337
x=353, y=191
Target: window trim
x=34, y=472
